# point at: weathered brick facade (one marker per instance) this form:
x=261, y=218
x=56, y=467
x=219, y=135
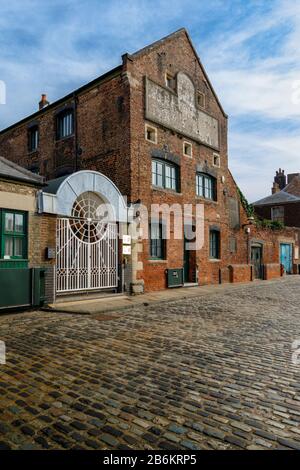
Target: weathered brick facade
x=109, y=136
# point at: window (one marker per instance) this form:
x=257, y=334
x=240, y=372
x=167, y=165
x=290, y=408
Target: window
x=216, y=160
x=170, y=81
x=187, y=149
x=201, y=99
x=206, y=186
x=164, y=175
x=65, y=124
x=277, y=213
x=157, y=243
x=33, y=139
x=214, y=244
x=151, y=134
x=13, y=235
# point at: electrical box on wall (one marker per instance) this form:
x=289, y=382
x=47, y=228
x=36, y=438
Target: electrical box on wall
x=175, y=277
x=50, y=253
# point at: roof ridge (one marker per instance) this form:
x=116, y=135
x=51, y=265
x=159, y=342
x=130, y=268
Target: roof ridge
x=172, y=35
x=158, y=41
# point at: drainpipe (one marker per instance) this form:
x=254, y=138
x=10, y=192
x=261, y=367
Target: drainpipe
x=75, y=131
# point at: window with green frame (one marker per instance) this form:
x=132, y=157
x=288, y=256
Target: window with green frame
x=13, y=225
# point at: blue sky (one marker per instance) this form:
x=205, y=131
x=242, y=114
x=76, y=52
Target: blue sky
x=249, y=49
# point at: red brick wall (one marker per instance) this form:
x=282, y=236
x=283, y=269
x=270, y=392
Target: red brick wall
x=102, y=136
x=240, y=273
x=179, y=56
x=272, y=271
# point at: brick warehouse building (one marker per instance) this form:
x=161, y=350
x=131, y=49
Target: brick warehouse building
x=155, y=127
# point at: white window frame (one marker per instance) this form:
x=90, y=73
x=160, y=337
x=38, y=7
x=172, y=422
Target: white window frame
x=172, y=77
x=153, y=129
x=185, y=143
x=277, y=218
x=217, y=156
x=204, y=100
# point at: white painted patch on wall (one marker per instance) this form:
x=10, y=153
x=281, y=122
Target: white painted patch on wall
x=179, y=111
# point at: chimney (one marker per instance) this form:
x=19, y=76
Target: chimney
x=43, y=103
x=291, y=176
x=280, y=180
x=275, y=188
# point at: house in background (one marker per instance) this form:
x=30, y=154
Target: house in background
x=154, y=130
x=283, y=205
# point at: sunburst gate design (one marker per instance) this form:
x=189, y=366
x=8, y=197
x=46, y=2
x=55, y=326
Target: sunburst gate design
x=87, y=218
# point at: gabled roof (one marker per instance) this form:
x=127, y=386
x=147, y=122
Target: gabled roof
x=106, y=76
x=112, y=73
x=12, y=171
x=171, y=36
x=291, y=193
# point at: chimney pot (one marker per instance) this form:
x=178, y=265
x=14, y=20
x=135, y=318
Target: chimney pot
x=279, y=180
x=44, y=102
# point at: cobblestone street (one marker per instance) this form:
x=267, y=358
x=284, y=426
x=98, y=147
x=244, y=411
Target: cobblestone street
x=212, y=372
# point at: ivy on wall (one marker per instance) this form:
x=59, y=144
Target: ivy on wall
x=246, y=205
x=260, y=223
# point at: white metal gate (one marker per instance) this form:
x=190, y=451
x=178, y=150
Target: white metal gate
x=87, y=249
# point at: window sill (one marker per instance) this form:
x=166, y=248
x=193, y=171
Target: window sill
x=14, y=263
x=11, y=260
x=64, y=138
x=215, y=260
x=165, y=190
x=209, y=201
x=159, y=261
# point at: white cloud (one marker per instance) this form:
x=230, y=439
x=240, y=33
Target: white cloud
x=254, y=83
x=254, y=157
x=256, y=91
x=65, y=43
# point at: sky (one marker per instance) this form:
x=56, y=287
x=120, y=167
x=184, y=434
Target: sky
x=250, y=51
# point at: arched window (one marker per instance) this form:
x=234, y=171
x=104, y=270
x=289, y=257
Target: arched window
x=165, y=175
x=206, y=186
